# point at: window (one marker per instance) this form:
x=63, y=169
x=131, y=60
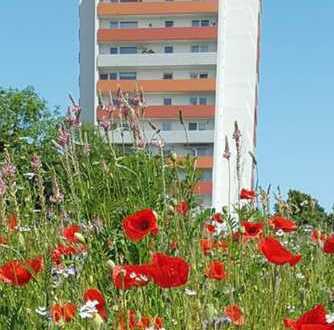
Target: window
x=168, y=75
x=193, y=75
x=195, y=23
x=198, y=23
x=203, y=75
x=169, y=23
x=195, y=48
x=199, y=48
x=167, y=101
x=128, y=25
x=192, y=126
x=206, y=175
x=202, y=125
x=128, y=75
x=193, y=100
x=169, y=49
x=128, y=50
x=166, y=126
x=113, y=25
x=113, y=76
x=203, y=100
x=104, y=76
x=113, y=50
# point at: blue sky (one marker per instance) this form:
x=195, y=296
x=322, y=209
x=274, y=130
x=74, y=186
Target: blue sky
x=39, y=47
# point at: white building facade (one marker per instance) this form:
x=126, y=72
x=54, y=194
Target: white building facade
x=197, y=56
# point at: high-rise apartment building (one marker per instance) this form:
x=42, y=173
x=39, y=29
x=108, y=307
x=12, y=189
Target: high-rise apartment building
x=197, y=56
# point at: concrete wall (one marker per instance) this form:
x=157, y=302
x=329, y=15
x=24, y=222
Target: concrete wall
x=237, y=80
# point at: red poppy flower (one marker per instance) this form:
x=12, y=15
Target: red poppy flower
x=281, y=223
x=19, y=273
x=182, y=208
x=95, y=294
x=218, y=217
x=252, y=230
x=247, y=194
x=3, y=240
x=138, y=225
x=234, y=313
x=66, y=250
x=329, y=245
x=318, y=236
x=169, y=272
x=276, y=253
x=69, y=233
x=64, y=312
x=12, y=222
x=216, y=271
x=315, y=319
x=144, y=322
x=206, y=245
x=128, y=276
x=158, y=322
x=129, y=322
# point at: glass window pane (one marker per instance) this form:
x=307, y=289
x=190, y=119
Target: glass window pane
x=195, y=48
x=104, y=76
x=166, y=126
x=169, y=23
x=205, y=22
x=193, y=75
x=128, y=25
x=127, y=75
x=203, y=75
x=203, y=100
x=193, y=100
x=204, y=48
x=113, y=25
x=202, y=126
x=113, y=50
x=192, y=126
x=167, y=101
x=128, y=50
x=169, y=49
x=195, y=23
x=113, y=76
x=168, y=75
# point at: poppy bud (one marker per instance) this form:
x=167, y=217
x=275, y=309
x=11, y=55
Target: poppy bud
x=97, y=321
x=110, y=264
x=80, y=237
x=173, y=157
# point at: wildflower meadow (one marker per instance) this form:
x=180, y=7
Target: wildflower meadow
x=95, y=235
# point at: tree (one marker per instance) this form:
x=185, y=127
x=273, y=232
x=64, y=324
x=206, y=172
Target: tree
x=306, y=210
x=24, y=118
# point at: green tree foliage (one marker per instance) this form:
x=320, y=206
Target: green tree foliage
x=307, y=210
x=24, y=118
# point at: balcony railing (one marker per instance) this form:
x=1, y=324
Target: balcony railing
x=158, y=86
x=122, y=8
x=158, y=60
x=157, y=34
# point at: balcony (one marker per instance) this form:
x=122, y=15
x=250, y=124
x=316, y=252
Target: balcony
x=157, y=34
x=157, y=60
x=106, y=10
x=171, y=112
x=158, y=86
x=174, y=136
